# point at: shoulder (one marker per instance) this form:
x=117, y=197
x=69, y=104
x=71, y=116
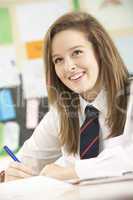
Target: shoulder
x=130, y=78
x=131, y=81
x=51, y=115
x=48, y=126
x=130, y=89
x=50, y=121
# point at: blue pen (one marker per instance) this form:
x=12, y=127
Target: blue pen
x=10, y=153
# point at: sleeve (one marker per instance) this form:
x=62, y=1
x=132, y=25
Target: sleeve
x=110, y=162
x=43, y=147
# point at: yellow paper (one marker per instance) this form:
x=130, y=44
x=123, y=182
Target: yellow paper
x=34, y=49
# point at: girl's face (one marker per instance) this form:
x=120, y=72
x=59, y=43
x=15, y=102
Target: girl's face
x=74, y=60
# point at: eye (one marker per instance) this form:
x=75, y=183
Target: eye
x=58, y=60
x=77, y=52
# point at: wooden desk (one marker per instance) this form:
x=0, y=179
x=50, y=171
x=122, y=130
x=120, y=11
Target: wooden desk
x=43, y=188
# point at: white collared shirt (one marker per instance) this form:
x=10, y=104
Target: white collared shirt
x=100, y=103
x=44, y=146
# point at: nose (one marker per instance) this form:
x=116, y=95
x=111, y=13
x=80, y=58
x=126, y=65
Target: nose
x=70, y=65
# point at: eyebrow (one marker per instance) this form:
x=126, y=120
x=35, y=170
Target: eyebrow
x=77, y=46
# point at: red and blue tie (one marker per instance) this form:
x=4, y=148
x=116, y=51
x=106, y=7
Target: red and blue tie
x=89, y=134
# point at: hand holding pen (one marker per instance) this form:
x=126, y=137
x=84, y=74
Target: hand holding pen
x=16, y=169
x=11, y=154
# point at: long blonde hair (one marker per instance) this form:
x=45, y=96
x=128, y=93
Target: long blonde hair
x=113, y=74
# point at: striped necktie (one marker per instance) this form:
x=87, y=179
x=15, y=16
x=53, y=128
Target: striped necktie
x=89, y=134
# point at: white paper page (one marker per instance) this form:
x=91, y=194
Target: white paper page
x=39, y=187
x=101, y=180
x=33, y=79
x=32, y=113
x=34, y=18
x=11, y=135
x=9, y=74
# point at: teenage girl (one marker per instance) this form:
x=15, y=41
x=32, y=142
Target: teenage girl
x=83, y=67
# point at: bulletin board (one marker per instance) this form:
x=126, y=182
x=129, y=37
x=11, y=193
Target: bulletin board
x=117, y=17
x=30, y=27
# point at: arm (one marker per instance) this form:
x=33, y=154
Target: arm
x=58, y=172
x=117, y=155
x=111, y=161
x=116, y=158
x=42, y=148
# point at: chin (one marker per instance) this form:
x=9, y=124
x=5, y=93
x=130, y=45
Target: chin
x=82, y=89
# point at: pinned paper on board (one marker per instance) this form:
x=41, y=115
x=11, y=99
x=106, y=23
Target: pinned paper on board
x=5, y=27
x=34, y=79
x=11, y=135
x=9, y=74
x=34, y=49
x=7, y=110
x=32, y=113
x=34, y=24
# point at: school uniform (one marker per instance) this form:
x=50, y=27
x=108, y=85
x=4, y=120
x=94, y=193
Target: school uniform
x=116, y=154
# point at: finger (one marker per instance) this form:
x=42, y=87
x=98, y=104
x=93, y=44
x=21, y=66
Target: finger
x=12, y=172
x=51, y=169
x=22, y=167
x=11, y=178
x=46, y=170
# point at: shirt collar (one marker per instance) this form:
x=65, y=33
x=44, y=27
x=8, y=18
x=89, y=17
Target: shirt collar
x=100, y=103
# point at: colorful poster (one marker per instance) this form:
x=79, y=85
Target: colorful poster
x=5, y=27
x=34, y=49
x=7, y=110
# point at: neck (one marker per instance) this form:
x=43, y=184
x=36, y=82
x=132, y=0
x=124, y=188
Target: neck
x=90, y=95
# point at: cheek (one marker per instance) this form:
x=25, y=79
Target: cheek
x=59, y=73
x=94, y=67
x=95, y=70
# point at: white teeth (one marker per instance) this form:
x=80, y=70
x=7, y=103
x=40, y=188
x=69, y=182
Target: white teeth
x=76, y=76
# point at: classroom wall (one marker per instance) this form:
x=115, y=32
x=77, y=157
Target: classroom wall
x=117, y=17
x=21, y=58
x=21, y=54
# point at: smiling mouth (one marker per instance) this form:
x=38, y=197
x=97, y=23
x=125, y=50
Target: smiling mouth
x=76, y=76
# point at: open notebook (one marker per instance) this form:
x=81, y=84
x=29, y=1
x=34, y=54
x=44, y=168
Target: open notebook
x=37, y=187
x=126, y=176
x=41, y=188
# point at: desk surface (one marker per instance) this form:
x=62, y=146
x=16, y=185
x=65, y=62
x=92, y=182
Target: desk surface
x=40, y=188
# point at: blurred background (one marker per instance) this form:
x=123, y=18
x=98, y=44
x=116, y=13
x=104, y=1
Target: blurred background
x=23, y=24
